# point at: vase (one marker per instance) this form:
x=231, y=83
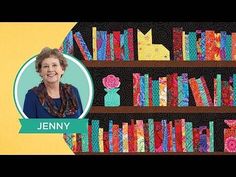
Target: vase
x=112, y=98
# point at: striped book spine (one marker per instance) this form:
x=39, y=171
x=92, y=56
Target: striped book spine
x=94, y=38
x=125, y=137
x=95, y=135
x=151, y=135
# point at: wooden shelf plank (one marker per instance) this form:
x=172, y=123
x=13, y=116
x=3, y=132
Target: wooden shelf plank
x=190, y=109
x=161, y=64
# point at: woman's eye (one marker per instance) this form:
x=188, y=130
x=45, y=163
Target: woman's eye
x=45, y=66
x=54, y=65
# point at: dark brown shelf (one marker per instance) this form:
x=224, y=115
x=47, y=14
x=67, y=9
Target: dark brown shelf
x=155, y=153
x=190, y=109
x=160, y=64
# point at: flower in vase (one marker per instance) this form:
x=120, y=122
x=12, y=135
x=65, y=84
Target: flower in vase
x=111, y=81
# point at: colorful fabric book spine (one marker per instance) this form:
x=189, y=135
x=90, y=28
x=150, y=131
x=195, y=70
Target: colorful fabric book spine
x=202, y=92
x=120, y=140
x=189, y=136
x=155, y=92
x=225, y=93
x=173, y=140
x=185, y=93
x=117, y=49
x=223, y=45
x=195, y=91
x=110, y=136
x=95, y=135
x=122, y=55
x=192, y=45
x=210, y=44
x=187, y=57
x=79, y=142
x=136, y=89
x=68, y=45
x=233, y=45
x=142, y=91
x=203, y=139
x=203, y=45
x=217, y=47
x=172, y=89
x=150, y=91
x=140, y=136
x=158, y=134
x=208, y=139
x=146, y=137
x=198, y=44
x=234, y=88
x=115, y=137
x=112, y=47
x=106, y=141
x=170, y=143
x=211, y=128
x=218, y=89
x=151, y=135
x=215, y=92
x=101, y=45
x=131, y=137
x=90, y=138
x=177, y=43
x=183, y=135
x=131, y=43
x=196, y=139
x=165, y=135
x=163, y=91
x=178, y=135
x=180, y=91
x=101, y=145
x=126, y=46
x=94, y=38
x=209, y=100
x=135, y=145
x=82, y=46
x=228, y=47
x=125, y=137
x=183, y=45
x=85, y=141
x=108, y=49
x=146, y=78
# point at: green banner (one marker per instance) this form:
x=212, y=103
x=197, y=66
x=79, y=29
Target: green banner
x=54, y=126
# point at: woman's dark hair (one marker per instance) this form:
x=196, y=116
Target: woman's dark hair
x=47, y=53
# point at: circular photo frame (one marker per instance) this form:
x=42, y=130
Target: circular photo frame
x=76, y=74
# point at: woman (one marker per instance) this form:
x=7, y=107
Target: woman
x=51, y=98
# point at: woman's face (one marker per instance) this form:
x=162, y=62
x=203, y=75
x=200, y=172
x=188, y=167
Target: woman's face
x=51, y=70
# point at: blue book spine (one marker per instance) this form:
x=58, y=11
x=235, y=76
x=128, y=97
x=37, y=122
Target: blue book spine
x=146, y=77
x=173, y=139
x=142, y=91
x=203, y=45
x=95, y=137
x=165, y=135
x=228, y=47
x=151, y=135
x=185, y=101
x=110, y=136
x=120, y=140
x=126, y=46
x=202, y=92
x=189, y=136
x=192, y=46
x=112, y=47
x=180, y=91
x=223, y=45
x=218, y=89
x=155, y=93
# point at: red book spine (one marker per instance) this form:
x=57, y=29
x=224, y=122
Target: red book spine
x=196, y=139
x=108, y=48
x=130, y=138
x=117, y=49
x=131, y=43
x=177, y=43
x=115, y=137
x=207, y=91
x=136, y=89
x=178, y=135
x=158, y=136
x=90, y=138
x=196, y=93
x=170, y=143
x=146, y=137
x=106, y=141
x=135, y=135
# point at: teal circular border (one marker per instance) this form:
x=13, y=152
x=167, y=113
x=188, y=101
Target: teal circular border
x=72, y=63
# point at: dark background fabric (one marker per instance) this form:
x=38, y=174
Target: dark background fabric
x=161, y=34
